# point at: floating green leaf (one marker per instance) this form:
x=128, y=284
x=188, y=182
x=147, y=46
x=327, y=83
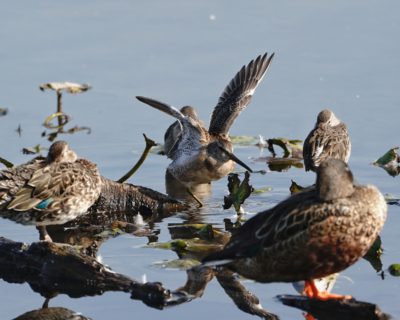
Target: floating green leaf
x=243, y=140
x=373, y=256
x=262, y=190
x=390, y=162
x=394, y=269
x=181, y=264
x=183, y=246
x=238, y=191
x=198, y=230
x=295, y=188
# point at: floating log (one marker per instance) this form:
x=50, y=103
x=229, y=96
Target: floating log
x=335, y=309
x=52, y=268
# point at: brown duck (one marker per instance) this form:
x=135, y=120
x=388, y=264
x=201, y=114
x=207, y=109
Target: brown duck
x=311, y=234
x=328, y=139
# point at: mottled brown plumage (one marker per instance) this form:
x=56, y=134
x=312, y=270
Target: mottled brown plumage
x=328, y=139
x=311, y=234
x=50, y=190
x=199, y=155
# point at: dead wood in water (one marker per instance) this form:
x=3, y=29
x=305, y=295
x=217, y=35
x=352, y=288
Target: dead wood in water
x=51, y=268
x=124, y=199
x=335, y=309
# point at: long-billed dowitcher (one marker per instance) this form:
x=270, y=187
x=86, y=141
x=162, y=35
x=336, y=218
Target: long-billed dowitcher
x=199, y=155
x=311, y=234
x=51, y=190
x=328, y=139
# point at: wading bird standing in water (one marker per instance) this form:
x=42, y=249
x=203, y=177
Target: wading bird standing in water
x=198, y=155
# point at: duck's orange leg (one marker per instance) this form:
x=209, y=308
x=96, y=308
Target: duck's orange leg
x=311, y=291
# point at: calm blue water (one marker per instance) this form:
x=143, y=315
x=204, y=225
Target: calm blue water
x=344, y=56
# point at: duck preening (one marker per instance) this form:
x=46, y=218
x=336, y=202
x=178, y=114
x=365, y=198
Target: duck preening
x=328, y=139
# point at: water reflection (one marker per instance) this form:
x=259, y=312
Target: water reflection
x=178, y=190
x=60, y=115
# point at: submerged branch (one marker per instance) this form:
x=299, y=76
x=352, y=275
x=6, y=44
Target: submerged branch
x=149, y=144
x=335, y=309
x=51, y=268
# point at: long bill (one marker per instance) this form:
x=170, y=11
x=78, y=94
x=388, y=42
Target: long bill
x=232, y=157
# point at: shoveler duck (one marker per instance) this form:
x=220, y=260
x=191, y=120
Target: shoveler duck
x=51, y=190
x=199, y=155
x=311, y=234
x=328, y=139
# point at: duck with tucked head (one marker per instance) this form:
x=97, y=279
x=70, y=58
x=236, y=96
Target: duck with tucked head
x=198, y=155
x=328, y=139
x=311, y=234
x=51, y=190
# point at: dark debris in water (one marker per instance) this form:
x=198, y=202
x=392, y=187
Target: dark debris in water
x=33, y=150
x=3, y=112
x=373, y=256
x=394, y=269
x=390, y=162
x=334, y=309
x=7, y=163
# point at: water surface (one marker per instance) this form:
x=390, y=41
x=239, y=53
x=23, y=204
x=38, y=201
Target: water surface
x=344, y=56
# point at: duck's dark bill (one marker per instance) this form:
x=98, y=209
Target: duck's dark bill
x=236, y=159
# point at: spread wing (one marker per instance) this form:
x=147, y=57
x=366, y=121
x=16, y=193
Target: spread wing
x=187, y=128
x=238, y=93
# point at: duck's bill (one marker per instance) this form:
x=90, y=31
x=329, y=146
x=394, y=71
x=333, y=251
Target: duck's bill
x=236, y=159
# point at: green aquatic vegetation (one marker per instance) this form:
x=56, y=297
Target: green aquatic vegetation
x=262, y=190
x=62, y=118
x=180, y=264
x=243, y=140
x=7, y=163
x=238, y=191
x=183, y=246
x=373, y=256
x=394, y=269
x=295, y=188
x=3, y=112
x=203, y=231
x=291, y=147
x=33, y=150
x=389, y=162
